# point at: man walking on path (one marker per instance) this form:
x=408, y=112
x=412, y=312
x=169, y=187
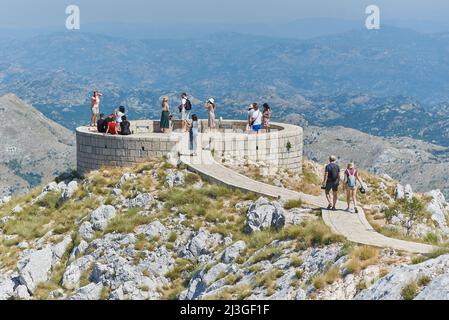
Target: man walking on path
x=331, y=181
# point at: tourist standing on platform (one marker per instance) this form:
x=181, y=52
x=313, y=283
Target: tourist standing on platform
x=266, y=117
x=193, y=134
x=185, y=107
x=249, y=119
x=165, y=117
x=256, y=118
x=95, y=105
x=210, y=106
x=331, y=181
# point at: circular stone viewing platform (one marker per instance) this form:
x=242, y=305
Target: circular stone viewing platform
x=282, y=147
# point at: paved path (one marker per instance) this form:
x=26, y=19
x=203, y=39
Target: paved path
x=352, y=226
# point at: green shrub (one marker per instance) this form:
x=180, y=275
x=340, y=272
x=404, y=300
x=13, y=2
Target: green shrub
x=431, y=238
x=410, y=291
x=293, y=203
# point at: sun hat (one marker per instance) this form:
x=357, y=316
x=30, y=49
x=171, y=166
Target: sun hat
x=211, y=100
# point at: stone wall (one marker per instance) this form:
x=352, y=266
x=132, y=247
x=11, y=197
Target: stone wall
x=282, y=147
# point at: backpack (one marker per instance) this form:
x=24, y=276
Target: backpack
x=351, y=178
x=188, y=105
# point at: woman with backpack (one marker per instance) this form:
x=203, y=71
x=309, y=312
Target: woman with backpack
x=350, y=183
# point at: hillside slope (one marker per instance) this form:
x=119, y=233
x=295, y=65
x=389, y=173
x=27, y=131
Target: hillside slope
x=155, y=231
x=34, y=148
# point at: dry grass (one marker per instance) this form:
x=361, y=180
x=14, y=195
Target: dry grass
x=269, y=280
x=361, y=257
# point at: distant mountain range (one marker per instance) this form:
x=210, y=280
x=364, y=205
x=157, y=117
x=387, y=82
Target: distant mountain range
x=391, y=82
x=34, y=149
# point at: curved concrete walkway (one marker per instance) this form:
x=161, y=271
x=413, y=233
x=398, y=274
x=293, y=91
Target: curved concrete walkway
x=352, y=226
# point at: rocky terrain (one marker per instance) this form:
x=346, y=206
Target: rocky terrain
x=34, y=149
x=156, y=231
x=421, y=164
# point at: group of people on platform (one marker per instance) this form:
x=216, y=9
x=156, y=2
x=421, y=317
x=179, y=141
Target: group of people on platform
x=257, y=121
x=116, y=123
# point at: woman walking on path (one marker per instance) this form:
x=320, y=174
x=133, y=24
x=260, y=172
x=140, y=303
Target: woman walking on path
x=266, y=117
x=350, y=184
x=95, y=105
x=165, y=120
x=210, y=106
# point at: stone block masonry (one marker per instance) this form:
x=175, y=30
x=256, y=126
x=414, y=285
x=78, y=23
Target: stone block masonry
x=282, y=147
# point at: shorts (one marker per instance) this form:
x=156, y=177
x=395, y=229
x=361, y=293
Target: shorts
x=95, y=110
x=332, y=186
x=185, y=114
x=257, y=127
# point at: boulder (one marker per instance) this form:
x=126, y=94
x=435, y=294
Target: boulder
x=200, y=244
x=68, y=191
x=143, y=200
x=231, y=253
x=5, y=200
x=101, y=217
x=90, y=292
x=437, y=289
x=399, y=192
x=34, y=267
x=438, y=208
x=21, y=293
x=263, y=214
x=60, y=248
x=79, y=250
x=125, y=178
x=174, y=178
x=152, y=230
x=86, y=231
x=74, y=271
x=17, y=209
x=390, y=286
x=408, y=192
x=6, y=287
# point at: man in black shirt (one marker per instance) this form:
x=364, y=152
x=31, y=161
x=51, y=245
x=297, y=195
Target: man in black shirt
x=102, y=124
x=331, y=181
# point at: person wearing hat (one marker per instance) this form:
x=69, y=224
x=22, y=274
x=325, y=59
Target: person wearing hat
x=210, y=106
x=350, y=184
x=331, y=181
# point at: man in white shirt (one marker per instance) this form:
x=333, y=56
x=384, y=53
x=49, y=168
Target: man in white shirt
x=256, y=118
x=120, y=113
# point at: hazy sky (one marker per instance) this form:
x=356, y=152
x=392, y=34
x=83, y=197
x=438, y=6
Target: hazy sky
x=43, y=13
